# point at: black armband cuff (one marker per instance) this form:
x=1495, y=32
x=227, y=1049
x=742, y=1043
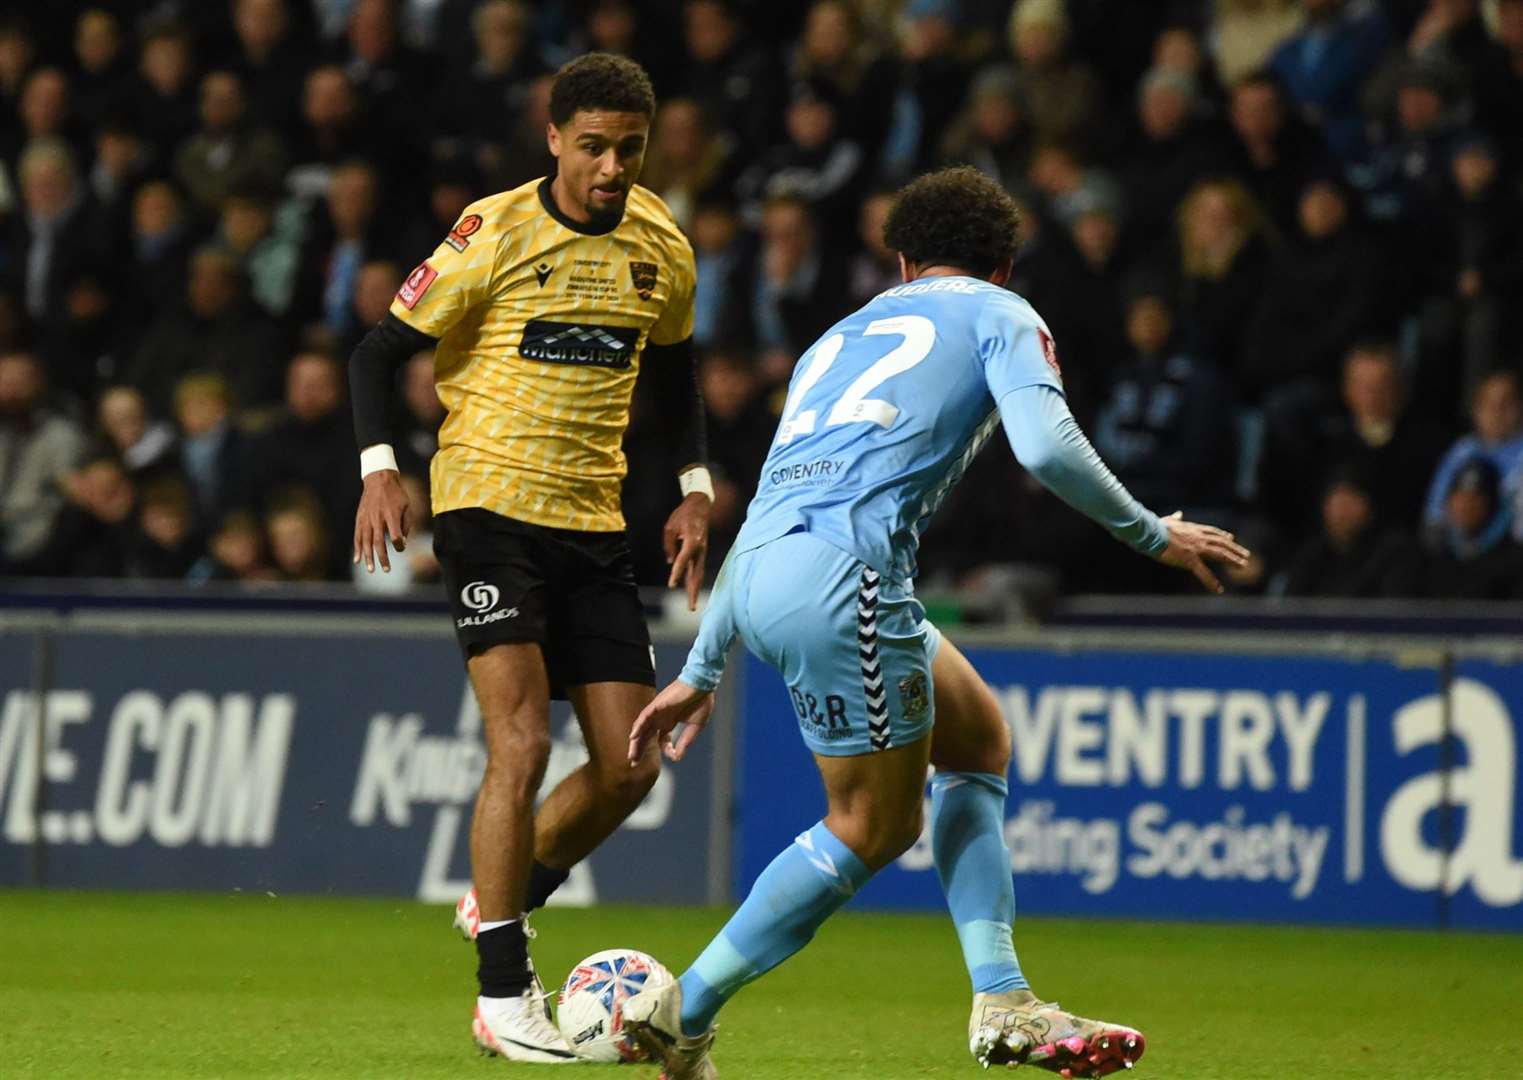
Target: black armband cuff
x=673, y=372
x=372, y=376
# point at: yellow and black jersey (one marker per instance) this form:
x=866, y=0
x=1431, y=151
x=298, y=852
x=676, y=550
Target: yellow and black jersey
x=541, y=324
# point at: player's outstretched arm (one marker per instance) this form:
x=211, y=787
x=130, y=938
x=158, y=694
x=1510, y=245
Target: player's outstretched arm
x=1047, y=440
x=679, y=703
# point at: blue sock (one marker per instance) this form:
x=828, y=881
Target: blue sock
x=973, y=863
x=798, y=891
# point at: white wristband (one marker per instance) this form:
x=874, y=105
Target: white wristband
x=375, y=458
x=696, y=479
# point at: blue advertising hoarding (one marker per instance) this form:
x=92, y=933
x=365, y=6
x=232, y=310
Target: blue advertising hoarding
x=294, y=762
x=1163, y=784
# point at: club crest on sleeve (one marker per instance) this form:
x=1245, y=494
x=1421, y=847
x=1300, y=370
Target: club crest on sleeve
x=1050, y=352
x=643, y=274
x=416, y=285
x=459, y=237
x=914, y=697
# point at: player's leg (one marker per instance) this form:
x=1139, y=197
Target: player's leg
x=970, y=750
x=589, y=804
x=875, y=805
x=600, y=657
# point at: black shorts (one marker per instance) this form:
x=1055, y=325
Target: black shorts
x=571, y=592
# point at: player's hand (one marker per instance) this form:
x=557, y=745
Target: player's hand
x=679, y=703
x=686, y=540
x=382, y=513
x=1190, y=545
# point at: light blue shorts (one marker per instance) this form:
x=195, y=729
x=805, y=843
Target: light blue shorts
x=856, y=653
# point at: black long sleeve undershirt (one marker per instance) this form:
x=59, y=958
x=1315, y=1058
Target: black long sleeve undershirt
x=672, y=371
x=373, y=375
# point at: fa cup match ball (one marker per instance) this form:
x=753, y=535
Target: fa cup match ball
x=590, y=1006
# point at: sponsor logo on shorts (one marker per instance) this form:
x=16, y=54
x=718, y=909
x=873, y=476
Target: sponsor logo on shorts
x=914, y=698
x=809, y=472
x=574, y=343
x=482, y=597
x=831, y=724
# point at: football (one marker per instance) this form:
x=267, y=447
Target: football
x=590, y=1006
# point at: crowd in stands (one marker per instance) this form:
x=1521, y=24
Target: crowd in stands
x=1274, y=240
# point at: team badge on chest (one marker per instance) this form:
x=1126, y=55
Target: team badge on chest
x=643, y=274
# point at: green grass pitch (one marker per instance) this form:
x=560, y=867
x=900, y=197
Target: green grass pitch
x=167, y=986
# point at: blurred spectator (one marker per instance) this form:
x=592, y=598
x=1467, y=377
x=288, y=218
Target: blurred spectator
x=1468, y=324
x=1172, y=152
x=1224, y=263
x=122, y=162
x=1396, y=446
x=1165, y=427
x=875, y=267
x=394, y=79
x=815, y=164
x=836, y=48
x=454, y=183
x=1499, y=84
x=799, y=288
x=349, y=233
x=475, y=98
x=1473, y=556
x=1324, y=66
x=1062, y=96
x=45, y=112
x=721, y=303
x=100, y=75
x=235, y=552
x=1246, y=33
x=266, y=245
x=84, y=350
x=422, y=413
x=740, y=428
x=163, y=99
x=140, y=443
x=991, y=134
x=1048, y=273
x=38, y=446
x=91, y=535
x=159, y=248
x=1496, y=435
x=1407, y=175
x=1353, y=554
x=1100, y=343
x=299, y=538
x=311, y=446
x=1320, y=296
x=527, y=156
x=17, y=54
x=1178, y=49
x=214, y=454
x=217, y=329
x=1450, y=31
x=733, y=79
x=685, y=161
x=57, y=237
x=226, y=151
x=936, y=80
x=374, y=287
x=270, y=60
x=1274, y=151
x=335, y=128
x=165, y=543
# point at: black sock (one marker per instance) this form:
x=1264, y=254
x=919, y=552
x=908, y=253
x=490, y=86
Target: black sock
x=543, y=880
x=503, y=955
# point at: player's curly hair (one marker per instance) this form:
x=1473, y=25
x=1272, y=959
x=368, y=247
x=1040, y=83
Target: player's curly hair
x=600, y=82
x=954, y=217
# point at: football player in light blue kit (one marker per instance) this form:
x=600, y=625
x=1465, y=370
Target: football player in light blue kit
x=883, y=415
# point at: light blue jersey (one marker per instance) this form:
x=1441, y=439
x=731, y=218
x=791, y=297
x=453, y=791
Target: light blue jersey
x=886, y=411
x=883, y=415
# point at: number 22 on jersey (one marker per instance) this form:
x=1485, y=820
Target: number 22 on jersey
x=854, y=406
